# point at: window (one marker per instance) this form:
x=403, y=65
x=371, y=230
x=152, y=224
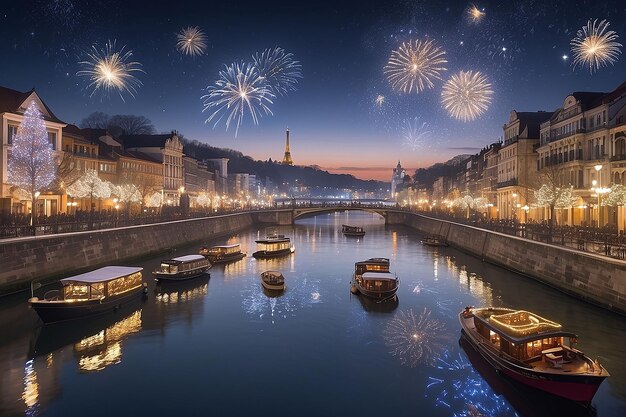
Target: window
x=52, y=139
x=12, y=133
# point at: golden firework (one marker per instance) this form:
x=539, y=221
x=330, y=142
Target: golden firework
x=595, y=46
x=415, y=65
x=474, y=14
x=191, y=41
x=466, y=95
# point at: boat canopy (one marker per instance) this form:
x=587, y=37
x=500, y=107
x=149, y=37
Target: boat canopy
x=272, y=273
x=236, y=245
x=379, y=276
x=520, y=326
x=188, y=258
x=105, y=274
x=277, y=240
x=374, y=261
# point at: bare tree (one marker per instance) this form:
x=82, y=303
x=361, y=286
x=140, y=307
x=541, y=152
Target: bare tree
x=128, y=124
x=96, y=120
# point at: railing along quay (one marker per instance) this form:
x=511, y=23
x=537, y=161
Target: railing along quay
x=600, y=241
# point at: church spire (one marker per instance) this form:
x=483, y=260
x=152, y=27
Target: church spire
x=287, y=158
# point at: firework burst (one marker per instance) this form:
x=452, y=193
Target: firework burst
x=416, y=134
x=474, y=14
x=279, y=70
x=238, y=91
x=111, y=70
x=595, y=46
x=414, y=65
x=379, y=100
x=414, y=339
x=191, y=41
x=466, y=95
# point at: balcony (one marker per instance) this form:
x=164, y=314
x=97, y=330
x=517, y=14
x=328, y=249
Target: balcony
x=508, y=183
x=621, y=157
x=511, y=140
x=566, y=135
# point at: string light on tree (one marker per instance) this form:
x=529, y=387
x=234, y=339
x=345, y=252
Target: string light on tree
x=31, y=166
x=89, y=185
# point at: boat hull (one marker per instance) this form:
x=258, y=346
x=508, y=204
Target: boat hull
x=379, y=295
x=180, y=276
x=226, y=259
x=52, y=312
x=262, y=254
x=578, y=388
x=271, y=287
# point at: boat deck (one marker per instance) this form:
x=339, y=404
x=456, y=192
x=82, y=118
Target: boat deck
x=560, y=360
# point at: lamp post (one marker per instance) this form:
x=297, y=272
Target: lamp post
x=598, y=189
x=514, y=206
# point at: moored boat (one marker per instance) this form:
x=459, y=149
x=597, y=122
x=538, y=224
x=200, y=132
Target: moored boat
x=182, y=268
x=373, y=279
x=95, y=292
x=223, y=254
x=432, y=240
x=530, y=349
x=273, y=246
x=273, y=280
x=352, y=230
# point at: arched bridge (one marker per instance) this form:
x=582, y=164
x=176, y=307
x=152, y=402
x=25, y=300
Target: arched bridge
x=300, y=211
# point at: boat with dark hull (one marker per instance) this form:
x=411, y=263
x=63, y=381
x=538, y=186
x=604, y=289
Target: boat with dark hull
x=273, y=281
x=274, y=246
x=182, y=268
x=355, y=231
x=223, y=254
x=373, y=279
x=96, y=292
x=531, y=350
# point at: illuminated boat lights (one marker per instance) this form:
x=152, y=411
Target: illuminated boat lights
x=522, y=323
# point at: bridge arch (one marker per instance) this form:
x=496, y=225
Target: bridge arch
x=312, y=211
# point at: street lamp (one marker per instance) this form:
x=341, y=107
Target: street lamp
x=598, y=188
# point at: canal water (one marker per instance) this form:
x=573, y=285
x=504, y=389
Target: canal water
x=221, y=346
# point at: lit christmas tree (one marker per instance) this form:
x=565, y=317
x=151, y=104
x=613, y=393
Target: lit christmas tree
x=203, y=200
x=616, y=196
x=155, y=200
x=127, y=194
x=89, y=185
x=31, y=165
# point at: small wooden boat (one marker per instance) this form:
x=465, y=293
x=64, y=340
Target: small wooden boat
x=531, y=350
x=273, y=246
x=273, y=280
x=432, y=240
x=91, y=293
x=352, y=230
x=223, y=254
x=373, y=279
x=182, y=268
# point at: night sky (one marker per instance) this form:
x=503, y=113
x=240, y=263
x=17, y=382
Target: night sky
x=342, y=46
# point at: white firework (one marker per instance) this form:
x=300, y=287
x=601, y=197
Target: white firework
x=279, y=70
x=415, y=65
x=111, y=70
x=238, y=91
x=380, y=100
x=466, y=95
x=191, y=41
x=416, y=134
x=595, y=46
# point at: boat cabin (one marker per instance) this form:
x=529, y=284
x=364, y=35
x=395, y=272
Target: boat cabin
x=378, y=281
x=371, y=265
x=183, y=264
x=224, y=250
x=352, y=229
x=278, y=245
x=104, y=282
x=523, y=335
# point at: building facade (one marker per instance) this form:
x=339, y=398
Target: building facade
x=397, y=178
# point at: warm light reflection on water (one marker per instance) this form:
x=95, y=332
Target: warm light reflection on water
x=104, y=348
x=315, y=337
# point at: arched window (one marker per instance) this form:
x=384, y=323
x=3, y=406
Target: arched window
x=620, y=147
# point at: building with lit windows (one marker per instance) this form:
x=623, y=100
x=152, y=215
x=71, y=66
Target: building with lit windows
x=397, y=178
x=13, y=104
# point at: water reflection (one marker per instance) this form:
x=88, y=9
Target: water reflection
x=300, y=292
x=105, y=347
x=30, y=395
x=415, y=339
x=373, y=306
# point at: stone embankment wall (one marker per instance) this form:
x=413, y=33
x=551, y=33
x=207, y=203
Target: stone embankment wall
x=23, y=260
x=594, y=278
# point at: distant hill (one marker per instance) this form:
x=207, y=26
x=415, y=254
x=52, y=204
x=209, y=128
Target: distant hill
x=425, y=177
x=310, y=176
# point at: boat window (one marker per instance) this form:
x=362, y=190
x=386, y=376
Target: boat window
x=123, y=284
x=494, y=338
x=165, y=268
x=534, y=348
x=76, y=292
x=97, y=290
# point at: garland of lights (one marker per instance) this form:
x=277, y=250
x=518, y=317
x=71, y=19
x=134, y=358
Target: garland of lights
x=31, y=165
x=537, y=323
x=89, y=185
x=555, y=196
x=616, y=196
